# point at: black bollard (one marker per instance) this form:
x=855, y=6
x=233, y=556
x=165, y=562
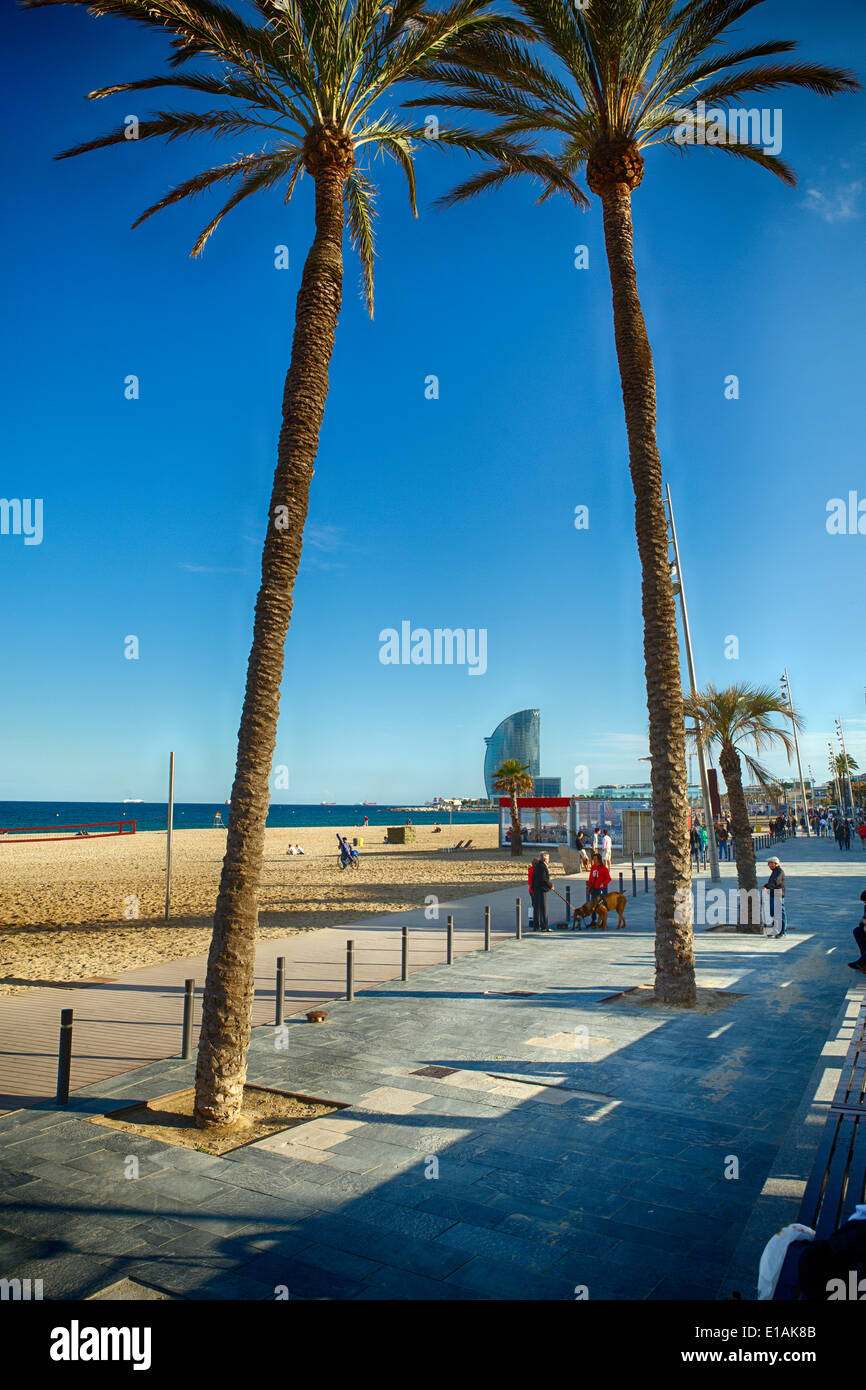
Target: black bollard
x=487, y=928
x=519, y=918
x=568, y=904
x=620, y=883
x=404, y=974
x=281, y=990
x=633, y=881
x=188, y=998
x=350, y=971
x=450, y=939
x=646, y=878
x=64, y=1056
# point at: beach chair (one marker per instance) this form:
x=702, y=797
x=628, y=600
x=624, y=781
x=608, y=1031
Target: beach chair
x=449, y=849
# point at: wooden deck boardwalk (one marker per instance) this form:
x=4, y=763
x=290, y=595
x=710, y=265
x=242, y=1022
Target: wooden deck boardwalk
x=133, y=1018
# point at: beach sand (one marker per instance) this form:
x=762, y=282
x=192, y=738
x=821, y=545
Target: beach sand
x=67, y=908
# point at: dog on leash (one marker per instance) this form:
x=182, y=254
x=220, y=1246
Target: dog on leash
x=614, y=902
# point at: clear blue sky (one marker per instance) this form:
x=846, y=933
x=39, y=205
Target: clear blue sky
x=456, y=512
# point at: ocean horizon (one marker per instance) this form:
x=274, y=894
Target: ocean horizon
x=199, y=815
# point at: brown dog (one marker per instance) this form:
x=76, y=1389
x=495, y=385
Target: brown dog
x=614, y=902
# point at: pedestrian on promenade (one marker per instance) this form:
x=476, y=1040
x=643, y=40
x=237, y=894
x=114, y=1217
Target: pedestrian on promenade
x=722, y=841
x=846, y=826
x=606, y=849
x=595, y=840
x=695, y=842
x=861, y=830
x=539, y=887
x=597, y=884
x=839, y=834
x=860, y=938
x=776, y=885
x=705, y=843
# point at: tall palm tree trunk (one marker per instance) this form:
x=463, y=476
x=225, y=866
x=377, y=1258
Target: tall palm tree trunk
x=674, y=943
x=516, y=838
x=741, y=826
x=225, y=1028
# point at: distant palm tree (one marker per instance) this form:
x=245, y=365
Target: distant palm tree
x=742, y=714
x=623, y=74
x=307, y=84
x=840, y=761
x=512, y=778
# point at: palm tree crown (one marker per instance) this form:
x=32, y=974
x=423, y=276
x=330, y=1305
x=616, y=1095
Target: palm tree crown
x=307, y=83
x=742, y=714
x=512, y=778
x=628, y=74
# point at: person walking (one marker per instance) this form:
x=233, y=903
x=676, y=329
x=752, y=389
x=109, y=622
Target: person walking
x=705, y=843
x=776, y=886
x=539, y=887
x=595, y=840
x=722, y=841
x=695, y=842
x=606, y=849
x=861, y=830
x=860, y=938
x=597, y=885
x=846, y=827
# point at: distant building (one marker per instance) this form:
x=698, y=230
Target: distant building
x=519, y=736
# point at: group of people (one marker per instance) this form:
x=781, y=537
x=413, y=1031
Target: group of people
x=843, y=831
x=540, y=884
x=296, y=849
x=599, y=843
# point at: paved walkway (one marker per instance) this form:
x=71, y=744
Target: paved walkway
x=135, y=1017
x=563, y=1142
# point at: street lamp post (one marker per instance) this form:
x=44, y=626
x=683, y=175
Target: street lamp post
x=786, y=691
x=840, y=730
x=680, y=588
x=835, y=771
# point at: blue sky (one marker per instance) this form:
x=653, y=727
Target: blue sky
x=456, y=512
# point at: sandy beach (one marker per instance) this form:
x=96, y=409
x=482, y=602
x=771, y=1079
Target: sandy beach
x=67, y=908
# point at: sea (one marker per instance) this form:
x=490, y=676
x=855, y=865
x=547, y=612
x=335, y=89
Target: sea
x=200, y=815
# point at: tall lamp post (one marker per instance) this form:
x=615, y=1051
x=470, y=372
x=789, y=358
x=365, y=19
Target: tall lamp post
x=786, y=692
x=840, y=731
x=835, y=771
x=680, y=588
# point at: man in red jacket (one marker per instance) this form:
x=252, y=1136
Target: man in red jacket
x=597, y=885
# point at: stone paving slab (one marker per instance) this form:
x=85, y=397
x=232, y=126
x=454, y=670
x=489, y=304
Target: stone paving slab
x=573, y=1143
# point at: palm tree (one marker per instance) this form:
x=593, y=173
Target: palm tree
x=512, y=778
x=845, y=764
x=742, y=714
x=626, y=75
x=307, y=85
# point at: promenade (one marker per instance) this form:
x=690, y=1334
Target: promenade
x=564, y=1145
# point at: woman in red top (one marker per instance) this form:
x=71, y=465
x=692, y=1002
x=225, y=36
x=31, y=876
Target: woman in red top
x=597, y=884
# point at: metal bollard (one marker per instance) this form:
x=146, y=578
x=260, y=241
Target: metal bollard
x=281, y=990
x=350, y=971
x=404, y=974
x=620, y=883
x=450, y=940
x=633, y=881
x=568, y=904
x=487, y=928
x=646, y=878
x=188, y=999
x=64, y=1056
x=519, y=919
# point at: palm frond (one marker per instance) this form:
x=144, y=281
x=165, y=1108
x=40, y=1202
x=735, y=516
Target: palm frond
x=359, y=195
x=265, y=177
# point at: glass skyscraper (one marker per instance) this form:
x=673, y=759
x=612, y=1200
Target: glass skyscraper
x=518, y=736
